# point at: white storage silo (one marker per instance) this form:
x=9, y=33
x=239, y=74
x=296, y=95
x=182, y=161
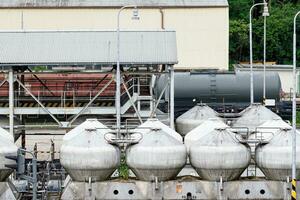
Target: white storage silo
x=86, y=154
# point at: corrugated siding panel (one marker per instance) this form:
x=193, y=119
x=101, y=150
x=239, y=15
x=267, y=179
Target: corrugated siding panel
x=145, y=47
x=110, y=3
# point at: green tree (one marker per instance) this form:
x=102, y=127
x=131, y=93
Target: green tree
x=239, y=42
x=279, y=34
x=279, y=30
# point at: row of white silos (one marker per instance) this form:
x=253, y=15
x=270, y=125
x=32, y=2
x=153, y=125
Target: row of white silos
x=160, y=154
x=214, y=150
x=85, y=153
x=273, y=156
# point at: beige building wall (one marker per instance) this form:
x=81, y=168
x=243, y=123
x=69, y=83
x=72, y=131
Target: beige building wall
x=202, y=33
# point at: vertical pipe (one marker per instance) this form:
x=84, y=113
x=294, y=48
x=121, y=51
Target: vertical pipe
x=171, y=69
x=251, y=53
x=251, y=58
x=118, y=74
x=294, y=149
x=11, y=101
x=265, y=46
x=118, y=80
x=34, y=177
x=52, y=151
x=162, y=18
x=23, y=135
x=139, y=93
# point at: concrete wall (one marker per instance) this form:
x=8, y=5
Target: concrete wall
x=202, y=33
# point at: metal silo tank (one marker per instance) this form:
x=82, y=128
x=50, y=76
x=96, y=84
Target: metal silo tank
x=219, y=154
x=193, y=118
x=268, y=129
x=275, y=158
x=7, y=148
x=200, y=131
x=158, y=156
x=86, y=154
x=254, y=116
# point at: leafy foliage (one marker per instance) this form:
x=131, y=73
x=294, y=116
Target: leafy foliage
x=39, y=68
x=123, y=168
x=279, y=31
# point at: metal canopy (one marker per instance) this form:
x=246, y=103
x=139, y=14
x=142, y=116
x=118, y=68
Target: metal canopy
x=113, y=3
x=86, y=47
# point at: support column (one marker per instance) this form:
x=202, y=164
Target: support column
x=171, y=70
x=11, y=101
x=22, y=94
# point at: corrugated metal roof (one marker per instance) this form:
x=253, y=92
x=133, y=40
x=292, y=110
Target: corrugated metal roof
x=87, y=47
x=113, y=3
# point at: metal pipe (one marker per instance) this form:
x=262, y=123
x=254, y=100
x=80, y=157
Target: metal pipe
x=34, y=173
x=34, y=177
x=90, y=185
x=118, y=73
x=139, y=93
x=264, y=62
x=156, y=183
x=294, y=149
x=162, y=18
x=11, y=101
x=172, y=118
x=251, y=53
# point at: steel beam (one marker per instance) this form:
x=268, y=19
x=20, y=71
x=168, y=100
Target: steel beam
x=132, y=103
x=91, y=101
x=11, y=101
x=43, y=107
x=2, y=83
x=59, y=111
x=158, y=100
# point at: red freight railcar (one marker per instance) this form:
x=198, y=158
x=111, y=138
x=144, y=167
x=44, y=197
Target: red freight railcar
x=62, y=84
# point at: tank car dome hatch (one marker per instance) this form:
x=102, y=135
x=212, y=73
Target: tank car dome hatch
x=219, y=154
x=254, y=116
x=206, y=127
x=194, y=117
x=7, y=148
x=155, y=123
x=275, y=157
x=85, y=152
x=157, y=155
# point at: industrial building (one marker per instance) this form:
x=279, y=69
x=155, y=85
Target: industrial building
x=121, y=114
x=202, y=26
